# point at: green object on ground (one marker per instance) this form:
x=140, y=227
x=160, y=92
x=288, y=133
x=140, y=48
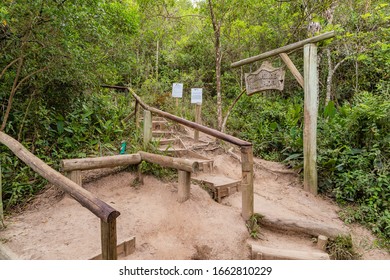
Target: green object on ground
x=123, y=148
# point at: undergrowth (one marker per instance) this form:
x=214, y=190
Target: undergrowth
x=341, y=248
x=253, y=225
x=353, y=154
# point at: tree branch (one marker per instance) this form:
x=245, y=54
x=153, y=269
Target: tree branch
x=15, y=87
x=9, y=65
x=230, y=110
x=28, y=76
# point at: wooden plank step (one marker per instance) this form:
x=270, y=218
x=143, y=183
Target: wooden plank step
x=156, y=118
x=219, y=186
x=266, y=253
x=159, y=125
x=166, y=141
x=170, y=148
x=162, y=133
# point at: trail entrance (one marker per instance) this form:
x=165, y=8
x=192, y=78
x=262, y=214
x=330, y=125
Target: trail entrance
x=310, y=84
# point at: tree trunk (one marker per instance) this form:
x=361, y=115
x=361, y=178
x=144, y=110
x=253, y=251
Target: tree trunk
x=218, y=60
x=11, y=96
x=329, y=78
x=157, y=55
x=223, y=128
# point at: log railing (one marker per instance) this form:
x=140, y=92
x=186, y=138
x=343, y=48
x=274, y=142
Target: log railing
x=102, y=210
x=184, y=167
x=246, y=151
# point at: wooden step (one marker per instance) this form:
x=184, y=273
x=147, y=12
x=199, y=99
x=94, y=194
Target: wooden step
x=171, y=145
x=170, y=148
x=162, y=133
x=266, y=253
x=205, y=164
x=156, y=118
x=159, y=125
x=166, y=141
x=219, y=186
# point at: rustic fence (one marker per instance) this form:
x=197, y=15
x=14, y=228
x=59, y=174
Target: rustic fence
x=245, y=147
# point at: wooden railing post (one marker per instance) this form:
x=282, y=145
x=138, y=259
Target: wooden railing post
x=184, y=185
x=75, y=176
x=247, y=182
x=147, y=126
x=136, y=112
x=108, y=239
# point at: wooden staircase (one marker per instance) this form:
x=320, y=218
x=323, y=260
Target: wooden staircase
x=218, y=186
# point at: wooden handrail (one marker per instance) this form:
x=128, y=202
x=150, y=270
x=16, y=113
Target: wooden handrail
x=171, y=162
x=99, y=162
x=101, y=209
x=202, y=128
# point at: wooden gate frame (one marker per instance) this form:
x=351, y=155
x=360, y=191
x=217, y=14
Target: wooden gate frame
x=310, y=85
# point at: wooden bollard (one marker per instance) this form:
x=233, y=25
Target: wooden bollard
x=136, y=112
x=322, y=241
x=184, y=185
x=75, y=176
x=108, y=239
x=147, y=126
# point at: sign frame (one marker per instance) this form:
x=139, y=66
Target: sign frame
x=266, y=77
x=196, y=95
x=177, y=90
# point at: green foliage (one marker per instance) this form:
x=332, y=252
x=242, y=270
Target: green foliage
x=93, y=127
x=341, y=248
x=353, y=147
x=253, y=225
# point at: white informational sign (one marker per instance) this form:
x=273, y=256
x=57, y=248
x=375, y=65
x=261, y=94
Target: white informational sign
x=177, y=90
x=196, y=95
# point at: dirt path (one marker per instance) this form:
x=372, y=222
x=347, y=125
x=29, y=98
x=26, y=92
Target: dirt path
x=200, y=228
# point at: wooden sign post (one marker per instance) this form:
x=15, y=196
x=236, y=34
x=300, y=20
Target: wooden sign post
x=310, y=85
x=177, y=92
x=198, y=119
x=310, y=119
x=196, y=98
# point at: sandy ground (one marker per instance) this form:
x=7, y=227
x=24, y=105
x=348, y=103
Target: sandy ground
x=57, y=227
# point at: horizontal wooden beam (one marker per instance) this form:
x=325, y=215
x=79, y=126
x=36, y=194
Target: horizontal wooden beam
x=202, y=128
x=101, y=209
x=99, y=162
x=284, y=49
x=171, y=162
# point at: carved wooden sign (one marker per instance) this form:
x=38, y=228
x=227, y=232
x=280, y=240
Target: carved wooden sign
x=265, y=78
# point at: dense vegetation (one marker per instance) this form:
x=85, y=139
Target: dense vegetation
x=55, y=54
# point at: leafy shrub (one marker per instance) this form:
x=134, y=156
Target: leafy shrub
x=353, y=148
x=92, y=127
